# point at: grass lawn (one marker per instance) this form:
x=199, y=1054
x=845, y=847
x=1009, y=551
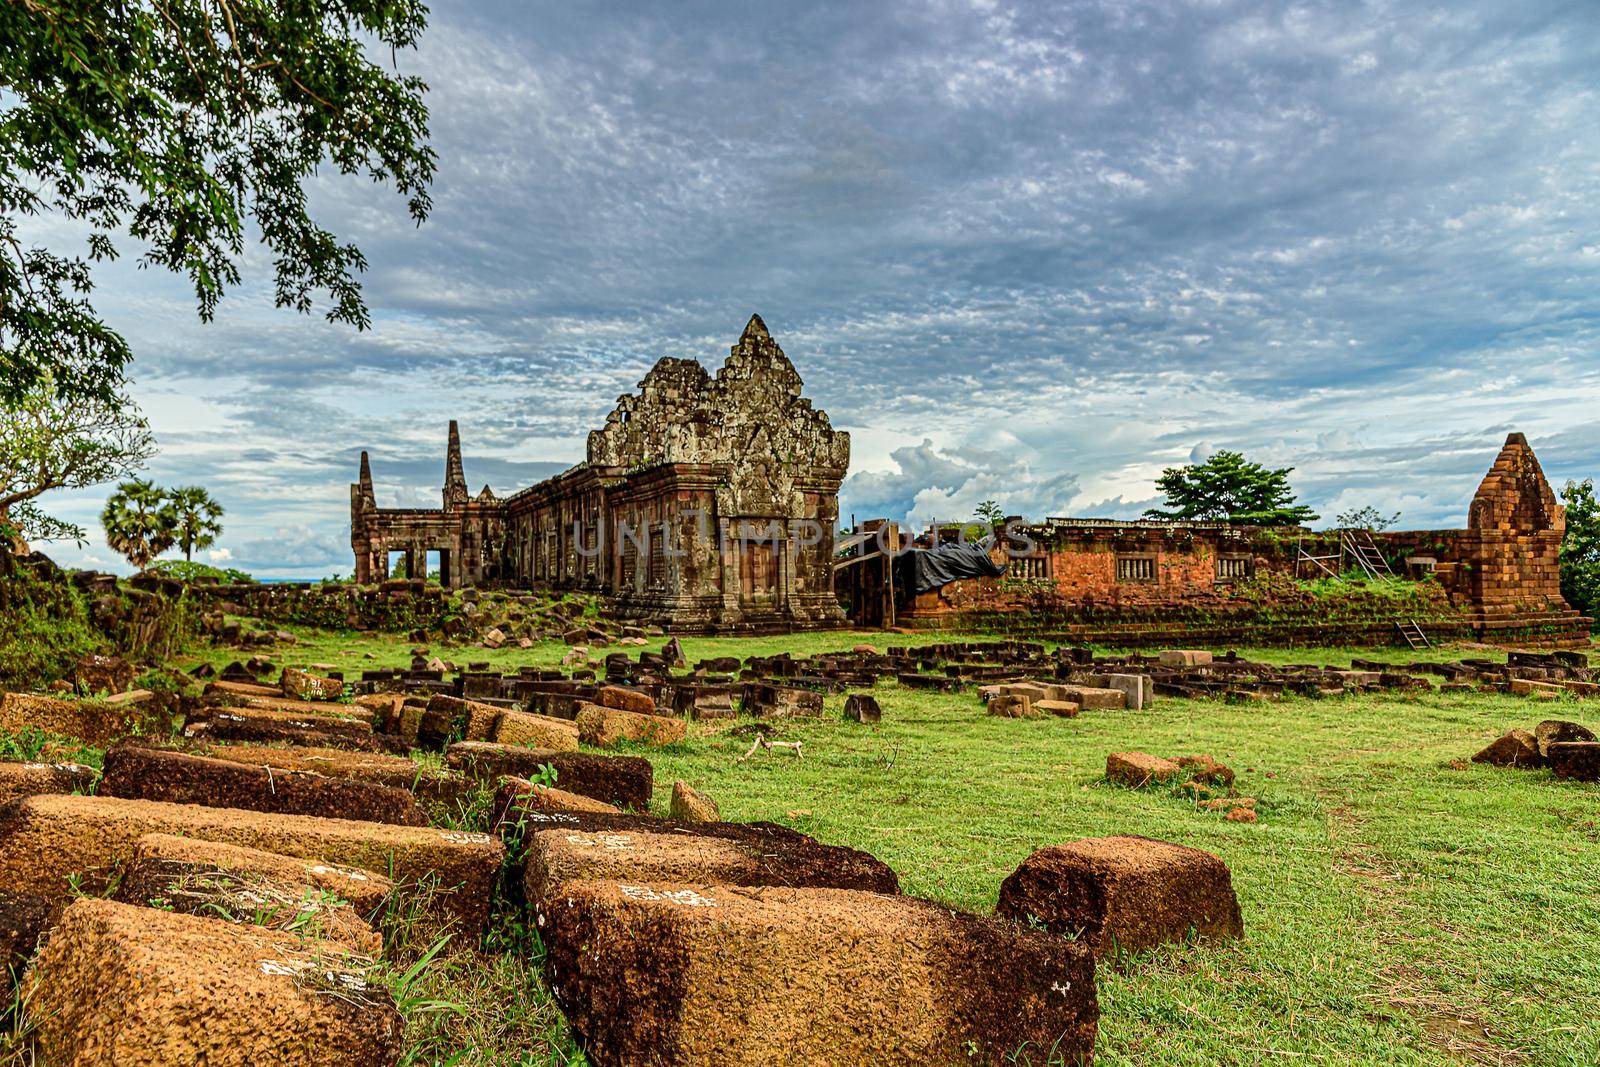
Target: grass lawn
x=1401, y=905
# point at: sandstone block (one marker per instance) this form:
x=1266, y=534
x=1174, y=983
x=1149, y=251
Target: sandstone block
x=102, y=674
x=606, y=726
x=1091, y=698
x=691, y=805
x=614, y=696
x=46, y=839
x=138, y=773
x=1182, y=657
x=1515, y=748
x=1013, y=706
x=303, y=685
x=862, y=707
x=722, y=976
x=1065, y=709
x=243, y=885
x=535, y=731
x=783, y=702
x=1137, y=690
x=1555, y=731
x=24, y=917
x=1124, y=894
x=469, y=720
x=93, y=722
x=625, y=781
x=1578, y=760
x=29, y=779
x=522, y=795
x=124, y=986
x=1206, y=769
x=1140, y=768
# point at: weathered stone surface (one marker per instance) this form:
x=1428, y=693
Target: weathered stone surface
x=1180, y=657
x=1013, y=706
x=265, y=726
x=123, y=986
x=44, y=840
x=91, y=721
x=1514, y=748
x=783, y=702
x=1065, y=709
x=1124, y=894
x=398, y=771
x=303, y=685
x=612, y=696
x=24, y=917
x=139, y=773
x=862, y=707
x=722, y=976
x=102, y=674
x=1090, y=698
x=1137, y=690
x=1578, y=760
x=469, y=720
x=536, y=731
x=29, y=779
x=244, y=885
x=1140, y=768
x=242, y=689
x=691, y=805
x=521, y=794
x=606, y=726
x=625, y=781
x=1555, y=731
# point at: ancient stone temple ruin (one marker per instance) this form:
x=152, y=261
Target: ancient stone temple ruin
x=707, y=504
x=1146, y=582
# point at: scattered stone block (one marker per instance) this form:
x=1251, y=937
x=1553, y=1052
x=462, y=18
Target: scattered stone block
x=725, y=975
x=303, y=685
x=624, y=781
x=1242, y=815
x=1137, y=690
x=783, y=702
x=1014, y=706
x=138, y=773
x=603, y=727
x=1514, y=748
x=91, y=721
x=29, y=779
x=368, y=892
x=243, y=885
x=102, y=674
x=525, y=795
x=226, y=687
x=46, y=839
x=1065, y=709
x=1577, y=760
x=24, y=917
x=535, y=731
x=1090, y=698
x=862, y=707
x=1556, y=731
x=1139, y=769
x=1124, y=894
x=1183, y=657
x=691, y=805
x=121, y=985
x=468, y=720
x=614, y=696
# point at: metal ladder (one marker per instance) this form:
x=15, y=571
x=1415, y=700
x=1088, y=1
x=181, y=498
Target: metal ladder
x=1360, y=546
x=1413, y=634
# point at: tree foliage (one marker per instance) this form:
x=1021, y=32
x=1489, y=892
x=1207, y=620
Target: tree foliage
x=1365, y=518
x=139, y=521
x=1229, y=488
x=196, y=518
x=182, y=123
x=1580, y=548
x=50, y=440
x=990, y=513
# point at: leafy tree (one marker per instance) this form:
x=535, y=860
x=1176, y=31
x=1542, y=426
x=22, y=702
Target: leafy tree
x=183, y=123
x=139, y=521
x=1365, y=518
x=1229, y=488
x=49, y=440
x=990, y=513
x=196, y=518
x=1580, y=548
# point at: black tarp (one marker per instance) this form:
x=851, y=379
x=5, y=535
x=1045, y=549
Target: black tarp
x=924, y=570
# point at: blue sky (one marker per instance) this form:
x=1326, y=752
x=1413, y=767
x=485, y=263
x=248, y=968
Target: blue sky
x=1027, y=252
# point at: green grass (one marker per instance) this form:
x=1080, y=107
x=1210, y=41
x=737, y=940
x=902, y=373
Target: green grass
x=1401, y=905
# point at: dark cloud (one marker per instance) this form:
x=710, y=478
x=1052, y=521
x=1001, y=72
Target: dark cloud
x=1061, y=245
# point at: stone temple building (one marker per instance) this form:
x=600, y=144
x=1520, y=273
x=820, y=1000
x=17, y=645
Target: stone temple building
x=707, y=504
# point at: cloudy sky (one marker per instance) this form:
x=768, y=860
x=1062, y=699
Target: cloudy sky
x=1030, y=252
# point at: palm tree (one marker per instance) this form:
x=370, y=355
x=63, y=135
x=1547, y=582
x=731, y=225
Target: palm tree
x=197, y=515
x=139, y=521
